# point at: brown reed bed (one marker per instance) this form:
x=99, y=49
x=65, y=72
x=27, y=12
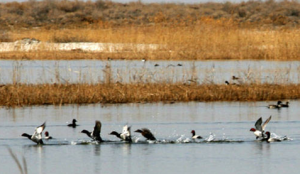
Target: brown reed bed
x=59, y=94
x=249, y=30
x=202, y=41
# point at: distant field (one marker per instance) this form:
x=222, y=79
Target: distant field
x=248, y=30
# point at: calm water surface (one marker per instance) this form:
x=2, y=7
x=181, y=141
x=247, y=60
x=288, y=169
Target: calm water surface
x=95, y=71
x=237, y=151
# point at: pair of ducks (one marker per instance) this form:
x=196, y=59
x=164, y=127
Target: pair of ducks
x=37, y=135
x=279, y=105
x=259, y=131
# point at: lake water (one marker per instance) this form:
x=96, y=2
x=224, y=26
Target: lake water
x=236, y=150
x=96, y=71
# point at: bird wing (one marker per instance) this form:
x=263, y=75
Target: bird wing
x=266, y=122
x=126, y=130
x=97, y=129
x=38, y=132
x=258, y=124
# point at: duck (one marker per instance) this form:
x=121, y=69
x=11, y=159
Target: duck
x=73, y=124
x=95, y=135
x=194, y=136
x=259, y=129
x=37, y=135
x=235, y=78
x=278, y=106
x=234, y=84
x=146, y=133
x=286, y=105
x=47, y=137
x=125, y=135
x=271, y=139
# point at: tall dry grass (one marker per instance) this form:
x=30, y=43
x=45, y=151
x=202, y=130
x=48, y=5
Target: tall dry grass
x=59, y=94
x=207, y=39
x=247, y=30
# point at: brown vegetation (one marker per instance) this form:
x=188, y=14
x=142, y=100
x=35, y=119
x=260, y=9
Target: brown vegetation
x=248, y=30
x=70, y=14
x=58, y=94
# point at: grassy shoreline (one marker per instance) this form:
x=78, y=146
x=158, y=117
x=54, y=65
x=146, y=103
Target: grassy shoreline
x=59, y=94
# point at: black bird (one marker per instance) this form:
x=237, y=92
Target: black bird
x=235, y=78
x=73, y=124
x=286, y=105
x=156, y=64
x=125, y=135
x=95, y=135
x=37, y=135
x=146, y=133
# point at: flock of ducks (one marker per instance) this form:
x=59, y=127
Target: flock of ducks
x=125, y=135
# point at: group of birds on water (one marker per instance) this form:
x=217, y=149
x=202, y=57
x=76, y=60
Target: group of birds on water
x=125, y=135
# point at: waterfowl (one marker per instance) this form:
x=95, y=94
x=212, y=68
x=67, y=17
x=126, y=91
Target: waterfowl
x=125, y=135
x=234, y=84
x=179, y=64
x=278, y=106
x=37, y=135
x=95, y=135
x=73, y=124
x=259, y=129
x=156, y=64
x=194, y=136
x=235, y=78
x=47, y=137
x=286, y=105
x=271, y=139
x=146, y=133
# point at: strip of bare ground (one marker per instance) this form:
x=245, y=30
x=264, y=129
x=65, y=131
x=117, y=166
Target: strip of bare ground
x=58, y=94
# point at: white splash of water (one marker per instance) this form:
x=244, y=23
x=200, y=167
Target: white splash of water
x=211, y=137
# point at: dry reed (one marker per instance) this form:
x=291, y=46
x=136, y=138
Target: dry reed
x=207, y=39
x=58, y=94
x=247, y=30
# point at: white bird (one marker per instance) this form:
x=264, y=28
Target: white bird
x=194, y=136
x=259, y=129
x=125, y=135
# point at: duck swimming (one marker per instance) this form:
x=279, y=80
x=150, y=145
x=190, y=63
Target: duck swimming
x=259, y=129
x=95, y=135
x=125, y=135
x=286, y=105
x=194, y=136
x=146, y=133
x=47, y=137
x=37, y=135
x=73, y=124
x=271, y=139
x=278, y=106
